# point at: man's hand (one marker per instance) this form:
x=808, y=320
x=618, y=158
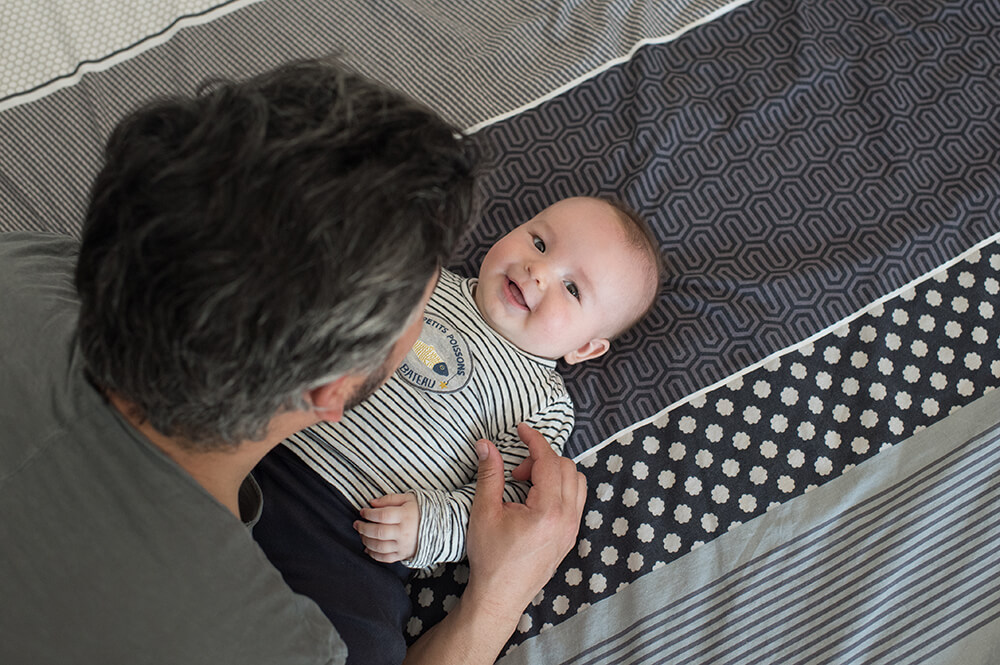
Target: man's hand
x=390, y=532
x=513, y=551
x=514, y=548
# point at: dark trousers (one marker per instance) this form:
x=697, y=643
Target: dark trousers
x=305, y=530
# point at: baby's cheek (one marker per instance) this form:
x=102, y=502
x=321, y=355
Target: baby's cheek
x=557, y=322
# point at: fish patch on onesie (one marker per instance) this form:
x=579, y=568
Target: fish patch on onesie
x=439, y=361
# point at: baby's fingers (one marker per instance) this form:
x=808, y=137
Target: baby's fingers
x=380, y=546
x=391, y=500
x=390, y=509
x=377, y=531
x=391, y=557
x=390, y=515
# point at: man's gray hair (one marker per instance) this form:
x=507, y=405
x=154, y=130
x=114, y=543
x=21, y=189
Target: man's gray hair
x=245, y=243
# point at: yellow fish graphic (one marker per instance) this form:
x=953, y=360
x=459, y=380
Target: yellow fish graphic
x=429, y=356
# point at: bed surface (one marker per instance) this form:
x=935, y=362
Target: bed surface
x=793, y=459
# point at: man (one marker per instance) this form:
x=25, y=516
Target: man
x=253, y=260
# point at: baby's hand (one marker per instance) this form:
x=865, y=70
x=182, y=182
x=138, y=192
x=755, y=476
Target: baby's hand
x=390, y=532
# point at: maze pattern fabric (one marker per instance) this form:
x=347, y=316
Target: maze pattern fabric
x=797, y=160
x=800, y=419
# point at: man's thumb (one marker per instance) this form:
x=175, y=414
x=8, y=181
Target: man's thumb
x=490, y=480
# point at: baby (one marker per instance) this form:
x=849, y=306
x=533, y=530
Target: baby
x=562, y=285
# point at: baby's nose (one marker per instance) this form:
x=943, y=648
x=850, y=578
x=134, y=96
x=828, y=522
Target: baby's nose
x=539, y=272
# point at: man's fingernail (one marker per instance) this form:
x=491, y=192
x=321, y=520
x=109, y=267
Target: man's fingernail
x=482, y=450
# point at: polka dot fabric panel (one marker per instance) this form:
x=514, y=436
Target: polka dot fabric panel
x=800, y=419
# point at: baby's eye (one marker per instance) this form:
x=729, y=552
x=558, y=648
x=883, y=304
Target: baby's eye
x=573, y=291
x=539, y=244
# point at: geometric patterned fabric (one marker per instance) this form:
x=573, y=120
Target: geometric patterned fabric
x=797, y=421
x=798, y=160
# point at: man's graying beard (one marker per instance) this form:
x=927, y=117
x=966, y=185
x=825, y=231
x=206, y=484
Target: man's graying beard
x=371, y=383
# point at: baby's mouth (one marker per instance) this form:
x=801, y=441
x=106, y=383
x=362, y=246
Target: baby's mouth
x=515, y=293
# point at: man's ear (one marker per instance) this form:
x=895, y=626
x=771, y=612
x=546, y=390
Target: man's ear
x=328, y=400
x=595, y=348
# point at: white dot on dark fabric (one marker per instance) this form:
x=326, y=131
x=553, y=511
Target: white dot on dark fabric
x=720, y=494
x=672, y=542
x=645, y=533
x=693, y=486
x=560, y=605
x=635, y=561
x=709, y=522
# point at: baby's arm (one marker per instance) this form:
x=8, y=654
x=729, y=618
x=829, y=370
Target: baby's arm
x=389, y=527
x=440, y=518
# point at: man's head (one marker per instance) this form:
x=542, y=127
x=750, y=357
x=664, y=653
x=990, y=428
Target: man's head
x=246, y=244
x=569, y=280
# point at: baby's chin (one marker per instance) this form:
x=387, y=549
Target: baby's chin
x=532, y=349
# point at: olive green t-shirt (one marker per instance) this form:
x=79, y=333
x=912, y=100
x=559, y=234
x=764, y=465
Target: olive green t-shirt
x=109, y=552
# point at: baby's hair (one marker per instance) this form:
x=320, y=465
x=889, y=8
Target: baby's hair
x=639, y=236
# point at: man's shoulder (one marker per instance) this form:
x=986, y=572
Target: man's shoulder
x=105, y=523
x=32, y=267
x=28, y=246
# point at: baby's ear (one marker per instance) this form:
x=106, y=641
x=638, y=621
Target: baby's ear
x=595, y=348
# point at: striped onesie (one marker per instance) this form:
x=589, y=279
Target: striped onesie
x=460, y=382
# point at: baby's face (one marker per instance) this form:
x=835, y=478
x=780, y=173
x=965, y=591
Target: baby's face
x=563, y=282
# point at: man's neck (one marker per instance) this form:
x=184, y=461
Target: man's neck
x=220, y=472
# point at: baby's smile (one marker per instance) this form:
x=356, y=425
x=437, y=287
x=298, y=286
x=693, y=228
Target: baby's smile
x=514, y=294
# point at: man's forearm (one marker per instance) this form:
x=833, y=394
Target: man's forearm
x=471, y=634
x=513, y=551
